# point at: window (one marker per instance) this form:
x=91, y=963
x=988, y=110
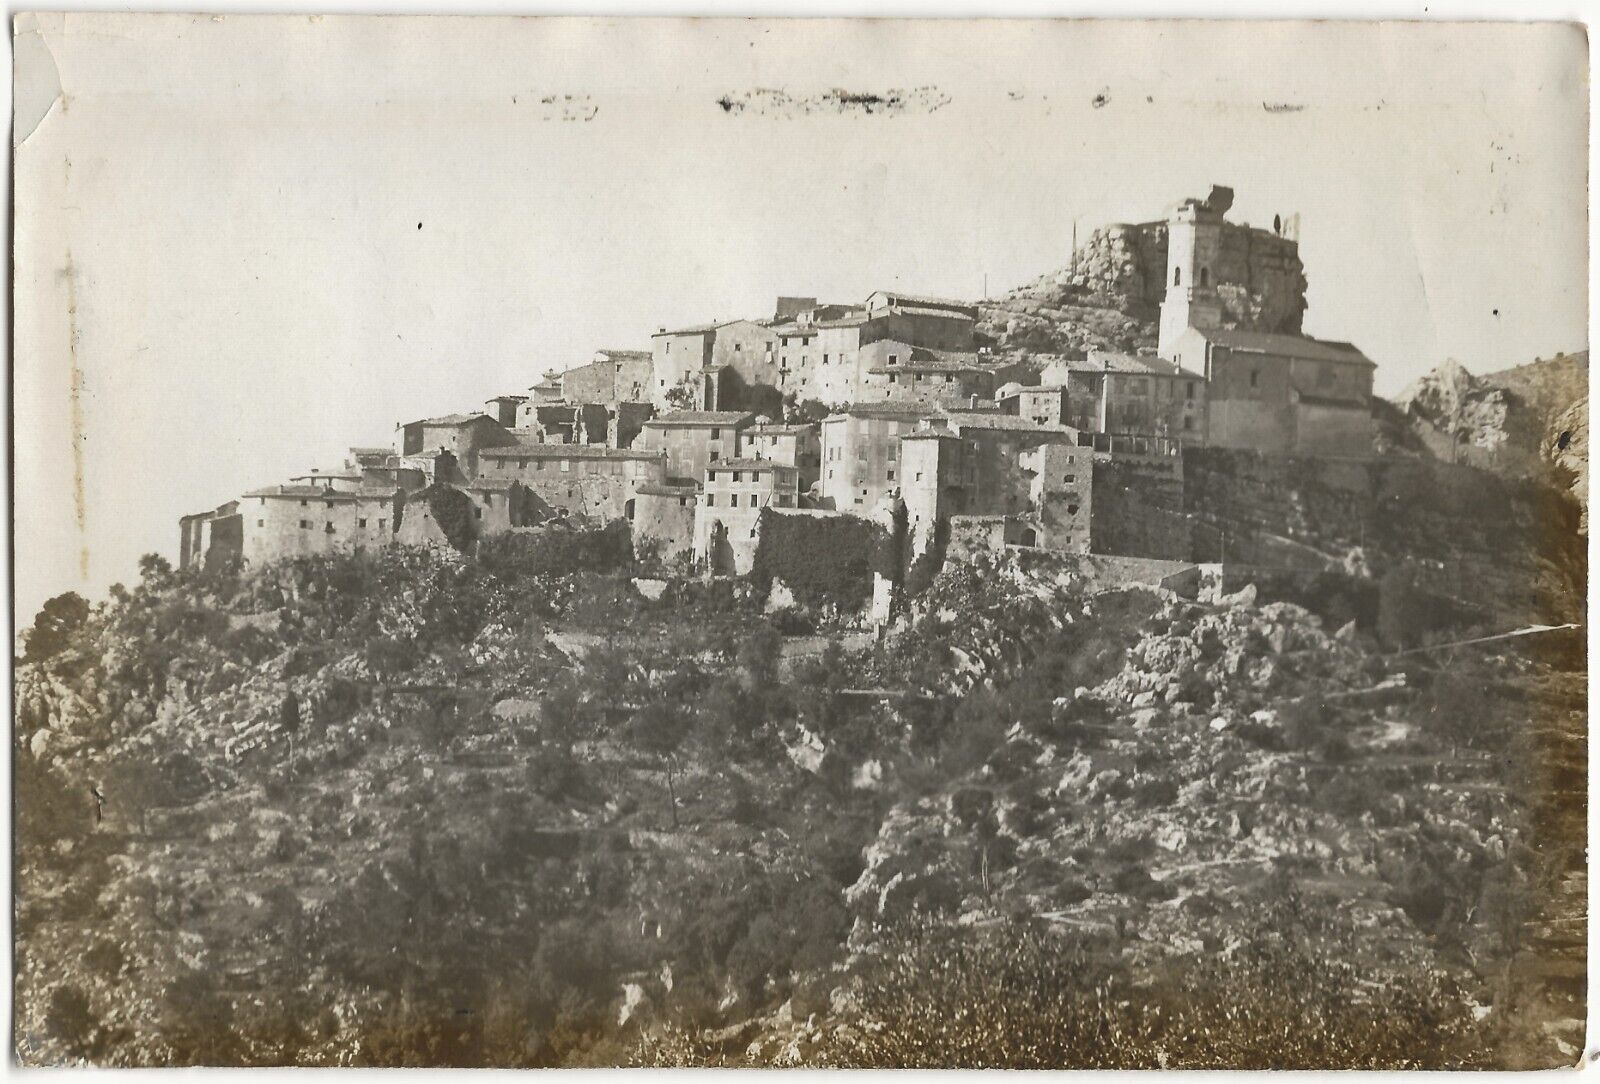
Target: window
x=477, y=513
x=382, y=523
x=1190, y=391
x=522, y=464
x=305, y=525
x=303, y=504
x=716, y=434
x=861, y=453
x=329, y=527
x=891, y=474
x=711, y=500
x=1068, y=479
x=1205, y=276
x=824, y=359
x=261, y=523
x=1255, y=375
x=566, y=466
x=361, y=523
x=1072, y=509
x=891, y=378
x=1177, y=276
x=893, y=358
x=538, y=464
x=488, y=499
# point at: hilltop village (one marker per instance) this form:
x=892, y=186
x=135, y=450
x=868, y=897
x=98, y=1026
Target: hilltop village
x=883, y=409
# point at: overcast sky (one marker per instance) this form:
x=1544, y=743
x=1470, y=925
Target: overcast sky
x=271, y=238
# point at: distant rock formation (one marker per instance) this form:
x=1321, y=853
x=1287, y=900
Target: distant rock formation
x=1528, y=420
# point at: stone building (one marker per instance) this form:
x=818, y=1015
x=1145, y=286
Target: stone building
x=580, y=479
x=1282, y=394
x=734, y=493
x=207, y=539
x=664, y=514
x=861, y=453
x=614, y=376
x=1045, y=404
x=1110, y=392
x=934, y=322
x=798, y=446
x=900, y=372
x=504, y=409
x=297, y=520
x=677, y=359
x=693, y=439
x=461, y=435
x=1031, y=484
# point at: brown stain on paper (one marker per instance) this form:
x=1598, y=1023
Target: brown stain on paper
x=80, y=506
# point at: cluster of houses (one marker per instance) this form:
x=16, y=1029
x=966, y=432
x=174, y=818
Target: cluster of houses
x=846, y=410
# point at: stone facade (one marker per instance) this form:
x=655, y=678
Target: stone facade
x=614, y=376
x=461, y=435
x=735, y=492
x=208, y=539
x=578, y=479
x=798, y=446
x=664, y=515
x=1283, y=394
x=693, y=439
x=861, y=453
x=292, y=521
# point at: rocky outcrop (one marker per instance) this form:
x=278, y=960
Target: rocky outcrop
x=1109, y=296
x=1528, y=421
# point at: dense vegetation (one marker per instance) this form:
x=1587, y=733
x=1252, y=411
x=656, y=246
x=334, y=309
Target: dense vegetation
x=406, y=808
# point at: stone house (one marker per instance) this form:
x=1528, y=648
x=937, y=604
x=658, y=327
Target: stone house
x=677, y=359
x=798, y=446
x=934, y=322
x=613, y=376
x=900, y=372
x=462, y=435
x=504, y=409
x=861, y=453
x=296, y=520
x=693, y=439
x=1110, y=392
x=731, y=500
x=1045, y=404
x=581, y=479
x=1282, y=394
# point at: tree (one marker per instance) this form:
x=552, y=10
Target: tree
x=153, y=568
x=659, y=729
x=69, y=1019
x=59, y=619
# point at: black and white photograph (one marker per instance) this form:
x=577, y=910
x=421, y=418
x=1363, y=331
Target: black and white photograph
x=812, y=542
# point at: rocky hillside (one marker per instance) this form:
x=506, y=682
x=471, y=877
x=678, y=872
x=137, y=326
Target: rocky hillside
x=1531, y=420
x=553, y=805
x=1109, y=295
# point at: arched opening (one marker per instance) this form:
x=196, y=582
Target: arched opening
x=627, y=510
x=1029, y=537
x=1177, y=276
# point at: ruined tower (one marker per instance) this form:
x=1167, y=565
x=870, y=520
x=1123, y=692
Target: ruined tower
x=1194, y=244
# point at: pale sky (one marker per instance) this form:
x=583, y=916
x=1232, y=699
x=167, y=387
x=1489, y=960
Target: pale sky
x=275, y=237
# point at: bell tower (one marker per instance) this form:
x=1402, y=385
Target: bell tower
x=1194, y=241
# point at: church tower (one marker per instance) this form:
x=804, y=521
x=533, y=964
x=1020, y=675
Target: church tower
x=1194, y=241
